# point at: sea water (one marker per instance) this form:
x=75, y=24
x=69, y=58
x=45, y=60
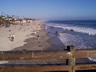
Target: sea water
x=80, y=33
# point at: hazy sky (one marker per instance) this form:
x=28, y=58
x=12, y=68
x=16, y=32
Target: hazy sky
x=50, y=9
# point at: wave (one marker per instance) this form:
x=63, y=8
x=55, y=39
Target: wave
x=80, y=41
x=89, y=31
x=77, y=41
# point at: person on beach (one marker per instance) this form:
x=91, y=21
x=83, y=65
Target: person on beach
x=38, y=37
x=56, y=32
x=9, y=30
x=12, y=36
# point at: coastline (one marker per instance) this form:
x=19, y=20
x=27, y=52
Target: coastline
x=45, y=41
x=59, y=45
x=43, y=44
x=34, y=44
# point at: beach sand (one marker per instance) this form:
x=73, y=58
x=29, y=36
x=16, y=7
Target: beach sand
x=34, y=43
x=26, y=37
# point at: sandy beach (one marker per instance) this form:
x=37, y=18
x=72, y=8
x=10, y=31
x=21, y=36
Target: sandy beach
x=32, y=36
x=26, y=37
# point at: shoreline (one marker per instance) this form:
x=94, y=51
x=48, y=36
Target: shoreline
x=60, y=45
x=33, y=44
x=43, y=44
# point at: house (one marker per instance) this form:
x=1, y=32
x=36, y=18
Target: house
x=9, y=18
x=29, y=20
x=17, y=22
x=23, y=21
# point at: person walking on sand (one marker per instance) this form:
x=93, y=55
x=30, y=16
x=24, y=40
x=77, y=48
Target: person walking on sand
x=12, y=37
x=38, y=37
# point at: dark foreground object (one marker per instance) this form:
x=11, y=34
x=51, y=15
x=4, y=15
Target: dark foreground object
x=70, y=55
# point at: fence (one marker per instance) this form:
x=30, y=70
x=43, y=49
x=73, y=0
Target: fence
x=70, y=55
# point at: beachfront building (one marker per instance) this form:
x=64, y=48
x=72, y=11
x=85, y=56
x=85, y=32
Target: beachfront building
x=17, y=21
x=11, y=19
x=23, y=21
x=28, y=20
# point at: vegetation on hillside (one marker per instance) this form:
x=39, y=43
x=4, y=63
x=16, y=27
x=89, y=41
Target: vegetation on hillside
x=3, y=21
x=6, y=20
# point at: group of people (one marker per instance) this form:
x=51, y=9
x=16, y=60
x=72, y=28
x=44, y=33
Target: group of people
x=12, y=35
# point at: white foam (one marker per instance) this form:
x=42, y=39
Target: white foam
x=65, y=37
x=68, y=39
x=89, y=31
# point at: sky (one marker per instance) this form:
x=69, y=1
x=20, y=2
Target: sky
x=50, y=9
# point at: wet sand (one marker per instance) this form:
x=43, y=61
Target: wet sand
x=41, y=43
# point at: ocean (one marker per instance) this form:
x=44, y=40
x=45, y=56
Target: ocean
x=80, y=33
